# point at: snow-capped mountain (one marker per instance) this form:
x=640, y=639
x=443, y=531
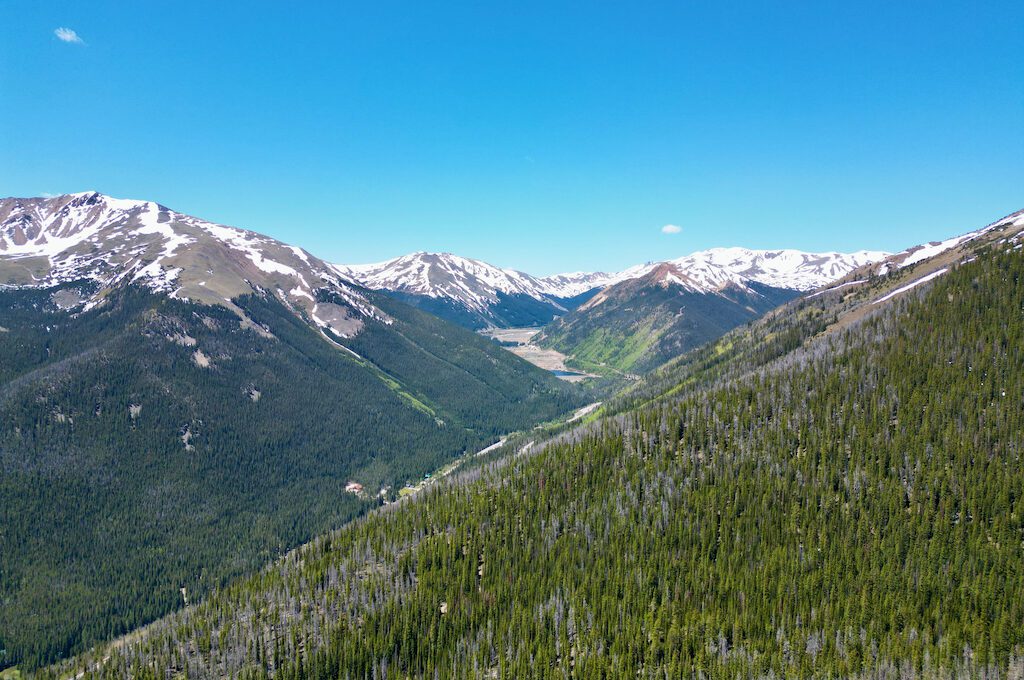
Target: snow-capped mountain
x=113, y=242
x=473, y=283
x=474, y=293
x=477, y=293
x=675, y=305
x=578, y=283
x=707, y=271
x=661, y=309
x=711, y=270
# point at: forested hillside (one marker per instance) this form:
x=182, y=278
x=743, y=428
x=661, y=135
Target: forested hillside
x=152, y=449
x=846, y=504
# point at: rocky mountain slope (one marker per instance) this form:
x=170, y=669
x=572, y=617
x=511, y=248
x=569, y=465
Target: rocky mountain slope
x=111, y=242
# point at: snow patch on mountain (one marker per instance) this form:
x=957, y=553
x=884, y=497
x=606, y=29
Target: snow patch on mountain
x=149, y=220
x=714, y=269
x=48, y=241
x=912, y=256
x=912, y=284
x=472, y=283
x=476, y=284
x=576, y=283
x=250, y=244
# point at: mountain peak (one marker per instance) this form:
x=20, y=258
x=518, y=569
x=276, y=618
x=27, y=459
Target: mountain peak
x=782, y=268
x=473, y=283
x=114, y=242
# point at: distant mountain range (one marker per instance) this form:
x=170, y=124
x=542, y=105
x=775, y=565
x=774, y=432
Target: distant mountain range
x=89, y=236
x=636, y=319
x=639, y=323
x=477, y=287
x=474, y=293
x=627, y=321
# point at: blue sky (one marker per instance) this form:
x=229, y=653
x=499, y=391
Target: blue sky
x=542, y=136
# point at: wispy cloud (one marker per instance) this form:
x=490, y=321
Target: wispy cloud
x=671, y=229
x=68, y=35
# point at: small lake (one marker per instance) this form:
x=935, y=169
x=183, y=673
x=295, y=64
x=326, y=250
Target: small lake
x=563, y=374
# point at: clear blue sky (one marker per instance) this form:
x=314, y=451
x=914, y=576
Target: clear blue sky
x=543, y=136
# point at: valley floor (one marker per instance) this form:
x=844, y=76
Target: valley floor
x=548, y=359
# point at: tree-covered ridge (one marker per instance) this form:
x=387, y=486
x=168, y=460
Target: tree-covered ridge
x=855, y=511
x=151, y=445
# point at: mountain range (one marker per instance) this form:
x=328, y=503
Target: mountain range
x=626, y=321
x=641, y=322
x=89, y=236
x=832, y=490
x=474, y=293
x=182, y=402
x=479, y=295
x=610, y=323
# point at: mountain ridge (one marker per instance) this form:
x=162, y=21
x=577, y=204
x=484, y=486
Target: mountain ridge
x=114, y=242
x=636, y=325
x=449, y=282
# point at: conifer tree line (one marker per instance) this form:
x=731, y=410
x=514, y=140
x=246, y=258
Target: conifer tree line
x=850, y=506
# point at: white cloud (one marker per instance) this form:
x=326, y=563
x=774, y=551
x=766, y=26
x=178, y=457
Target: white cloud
x=671, y=229
x=67, y=35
